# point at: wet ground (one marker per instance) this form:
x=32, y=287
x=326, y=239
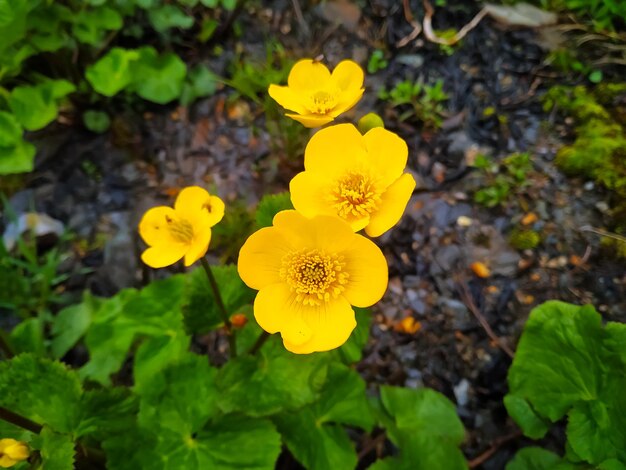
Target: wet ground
x=467, y=326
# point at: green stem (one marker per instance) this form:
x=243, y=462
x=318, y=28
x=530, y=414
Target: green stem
x=20, y=421
x=222, y=308
x=263, y=337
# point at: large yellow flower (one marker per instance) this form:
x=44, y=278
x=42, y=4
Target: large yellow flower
x=309, y=273
x=12, y=452
x=358, y=177
x=184, y=231
x=317, y=96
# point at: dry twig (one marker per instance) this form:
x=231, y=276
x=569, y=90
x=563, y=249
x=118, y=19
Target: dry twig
x=430, y=33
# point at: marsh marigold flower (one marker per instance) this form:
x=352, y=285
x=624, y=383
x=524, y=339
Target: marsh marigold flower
x=309, y=273
x=358, y=177
x=12, y=452
x=180, y=232
x=315, y=95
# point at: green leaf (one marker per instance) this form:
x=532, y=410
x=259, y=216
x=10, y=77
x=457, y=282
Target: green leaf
x=41, y=390
x=558, y=361
x=70, y=324
x=90, y=26
x=181, y=398
x=314, y=446
x=96, y=121
x=169, y=16
x=423, y=410
x=28, y=336
x=201, y=313
x=533, y=458
x=10, y=130
x=533, y=425
x=424, y=425
x=612, y=464
x=200, y=83
x=155, y=311
x=277, y=380
x=106, y=412
x=57, y=450
x=270, y=205
x=36, y=106
x=17, y=159
x=158, y=78
x=314, y=434
x=112, y=73
x=155, y=354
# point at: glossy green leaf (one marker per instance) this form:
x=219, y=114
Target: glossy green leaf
x=10, y=130
x=158, y=78
x=57, y=450
x=270, y=205
x=533, y=458
x=276, y=378
x=533, y=425
x=106, y=412
x=37, y=106
x=112, y=73
x=200, y=83
x=96, y=121
x=17, y=159
x=70, y=325
x=169, y=16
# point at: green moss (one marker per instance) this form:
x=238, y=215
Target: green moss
x=524, y=239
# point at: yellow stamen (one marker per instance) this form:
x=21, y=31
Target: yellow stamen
x=314, y=275
x=355, y=195
x=181, y=230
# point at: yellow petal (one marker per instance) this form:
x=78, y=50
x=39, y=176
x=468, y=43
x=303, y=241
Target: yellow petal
x=346, y=101
x=309, y=194
x=311, y=120
x=387, y=153
x=392, y=205
x=153, y=225
x=199, y=245
x=335, y=150
x=348, y=76
x=330, y=324
x=164, y=255
x=193, y=200
x=308, y=74
x=18, y=451
x=275, y=307
x=368, y=274
x=6, y=461
x=287, y=98
x=6, y=442
x=328, y=233
x=260, y=257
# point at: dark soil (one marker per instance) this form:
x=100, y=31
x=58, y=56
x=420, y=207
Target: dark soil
x=99, y=186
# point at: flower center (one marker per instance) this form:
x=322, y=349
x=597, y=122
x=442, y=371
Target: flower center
x=355, y=194
x=180, y=229
x=314, y=275
x=322, y=101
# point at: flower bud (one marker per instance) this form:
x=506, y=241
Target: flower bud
x=369, y=122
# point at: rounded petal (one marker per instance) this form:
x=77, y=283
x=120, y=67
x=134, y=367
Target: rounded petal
x=335, y=150
x=153, y=225
x=387, y=154
x=260, y=257
x=311, y=120
x=308, y=74
x=274, y=307
x=194, y=199
x=199, y=245
x=164, y=255
x=18, y=451
x=329, y=233
x=287, y=98
x=348, y=76
x=6, y=461
x=330, y=325
x=346, y=101
x=392, y=205
x=309, y=194
x=368, y=272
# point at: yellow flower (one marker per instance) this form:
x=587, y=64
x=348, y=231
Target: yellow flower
x=317, y=96
x=12, y=452
x=309, y=273
x=184, y=231
x=357, y=177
